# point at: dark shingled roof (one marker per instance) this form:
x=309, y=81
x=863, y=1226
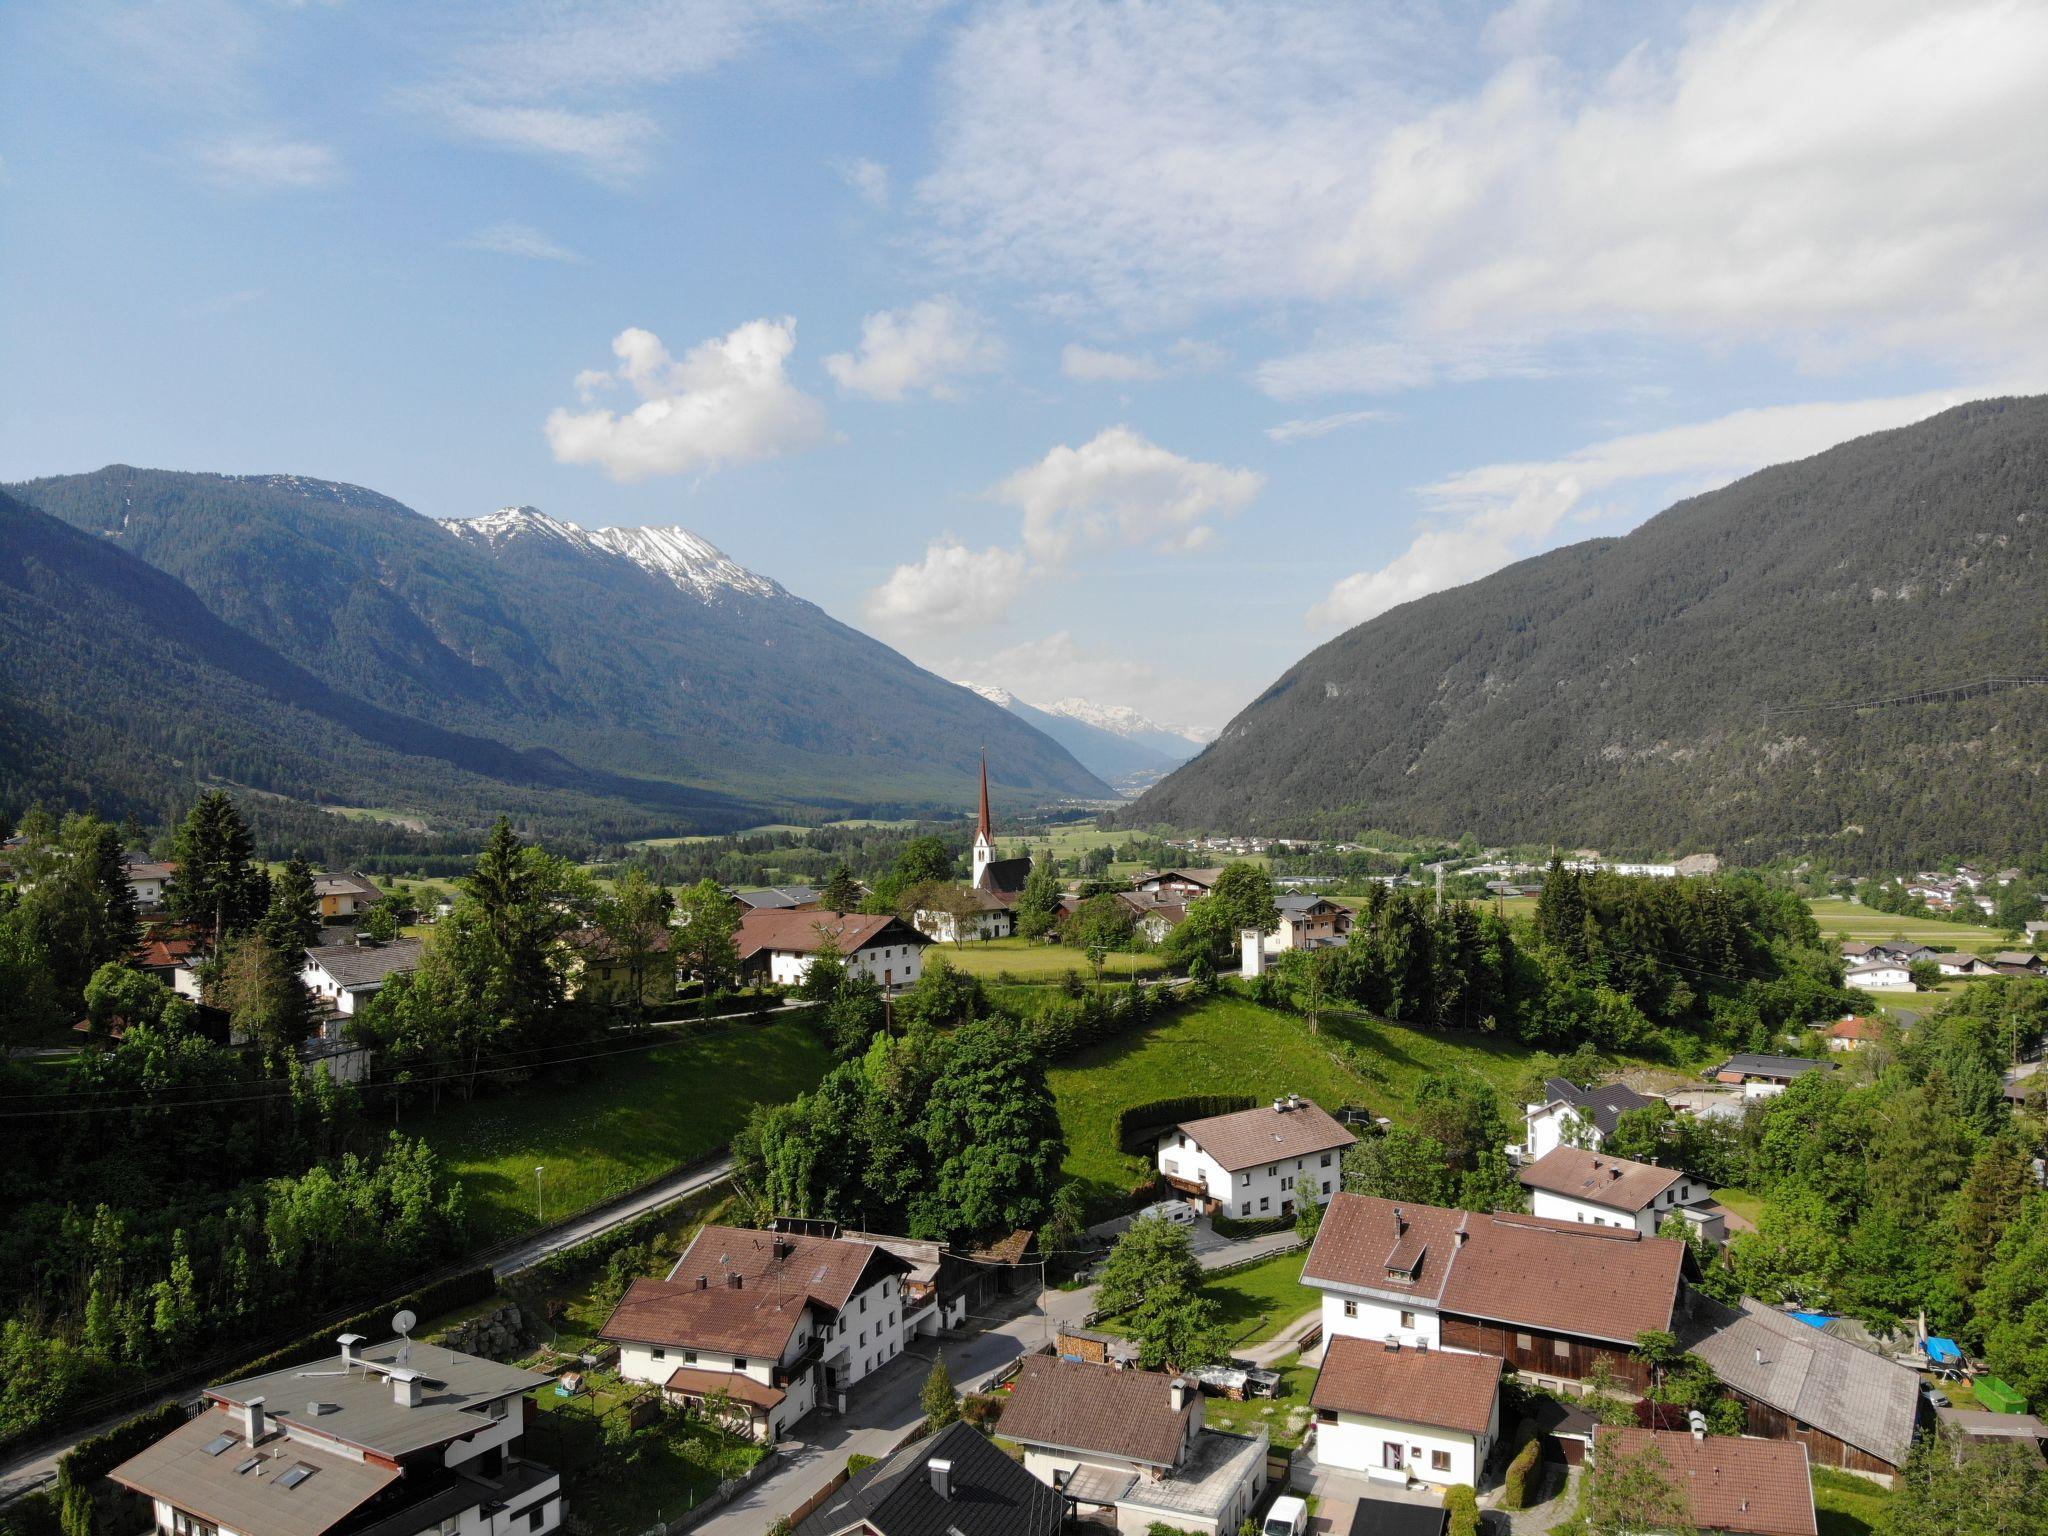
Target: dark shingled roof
x=989, y=1494
x=1759, y=1064
x=1605, y=1105
x=366, y=965
x=1005, y=875
x=1072, y=1405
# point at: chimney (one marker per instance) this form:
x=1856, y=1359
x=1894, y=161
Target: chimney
x=1759, y=1356
x=703, y=1282
x=1400, y=1222
x=941, y=1472
x=1280, y=1106
x=348, y=1343
x=1698, y=1422
x=782, y=1248
x=734, y=1282
x=1177, y=1394
x=253, y=1415
x=405, y=1388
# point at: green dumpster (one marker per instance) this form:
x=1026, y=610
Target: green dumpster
x=1998, y=1397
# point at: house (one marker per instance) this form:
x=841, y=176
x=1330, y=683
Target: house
x=1398, y=1413
x=2018, y=962
x=1733, y=1485
x=164, y=951
x=1905, y=951
x=147, y=879
x=938, y=1287
x=1849, y=1406
x=1879, y=976
x=344, y=896
x=1257, y=1162
x=1853, y=1033
x=1308, y=922
x=780, y=944
x=779, y=898
x=1573, y=1116
x=1182, y=885
x=1571, y=1184
x=392, y=1440
x=344, y=975
x=977, y=914
x=1760, y=1075
x=771, y=1323
x=598, y=970
x=955, y=1481
x=1132, y=1445
x=1955, y=963
x=1551, y=1298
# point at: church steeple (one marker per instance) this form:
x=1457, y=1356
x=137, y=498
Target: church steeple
x=984, y=831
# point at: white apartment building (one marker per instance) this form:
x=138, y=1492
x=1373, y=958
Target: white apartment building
x=1570, y=1184
x=1265, y=1162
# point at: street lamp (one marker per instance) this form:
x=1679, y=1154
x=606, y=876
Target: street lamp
x=539, y=1212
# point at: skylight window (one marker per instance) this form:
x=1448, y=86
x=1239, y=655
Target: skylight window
x=250, y=1464
x=218, y=1444
x=296, y=1476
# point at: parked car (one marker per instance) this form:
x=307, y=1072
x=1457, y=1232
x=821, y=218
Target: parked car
x=1179, y=1212
x=1287, y=1517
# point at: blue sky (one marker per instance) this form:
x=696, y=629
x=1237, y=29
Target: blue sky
x=1107, y=350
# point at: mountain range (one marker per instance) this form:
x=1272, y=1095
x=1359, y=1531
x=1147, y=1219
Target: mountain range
x=1112, y=741
x=319, y=643
x=1845, y=655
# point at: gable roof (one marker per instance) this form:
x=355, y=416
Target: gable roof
x=829, y=1269
x=1362, y=1236
x=1074, y=1405
x=1252, y=1137
x=1760, y=1064
x=1607, y=1283
x=179, y=1470
x=366, y=965
x=990, y=1495
x=800, y=932
x=1855, y=1027
x=744, y=1321
x=1202, y=877
x=1838, y=1387
x=1004, y=875
x=778, y=897
x=1751, y=1487
x=1416, y=1386
x=1605, y=1105
x=1615, y=1182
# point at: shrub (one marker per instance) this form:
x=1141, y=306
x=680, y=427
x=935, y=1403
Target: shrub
x=858, y=1463
x=89, y=1460
x=982, y=1410
x=1515, y=1486
x=1161, y=1113
x=1463, y=1504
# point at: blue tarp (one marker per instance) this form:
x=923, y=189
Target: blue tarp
x=1944, y=1352
x=1815, y=1319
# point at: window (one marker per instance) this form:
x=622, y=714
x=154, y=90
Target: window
x=1439, y=1461
x=1264, y=1202
x=1326, y=1186
x=1271, y=1169
x=863, y=1303
x=1523, y=1341
x=497, y=1408
x=1326, y=1415
x=536, y=1515
x=658, y=1352
x=739, y=1362
x=1287, y=1182
x=1351, y=1309
x=1407, y=1319
x=689, y=1357
x=1560, y=1348
x=1325, y=1162
x=1245, y=1209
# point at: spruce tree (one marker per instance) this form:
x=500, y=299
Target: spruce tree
x=217, y=887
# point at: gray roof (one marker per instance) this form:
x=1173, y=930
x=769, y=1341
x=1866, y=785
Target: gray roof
x=1846, y=1391
x=1216, y=1466
x=778, y=897
x=991, y=1495
x=1606, y=1105
x=184, y=1468
x=1760, y=1064
x=365, y=965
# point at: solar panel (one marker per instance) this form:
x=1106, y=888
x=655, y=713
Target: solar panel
x=296, y=1476
x=218, y=1444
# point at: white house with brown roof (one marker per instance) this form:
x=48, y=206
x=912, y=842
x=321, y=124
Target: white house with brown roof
x=1570, y=1184
x=1265, y=1162
x=782, y=945
x=1395, y=1412
x=1182, y=885
x=774, y=1322
x=1879, y=976
x=1731, y=1484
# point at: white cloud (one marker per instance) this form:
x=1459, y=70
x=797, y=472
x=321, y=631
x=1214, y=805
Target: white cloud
x=951, y=588
x=869, y=178
x=1322, y=426
x=1837, y=179
x=512, y=238
x=261, y=163
x=726, y=401
x=1120, y=488
x=1385, y=367
x=1093, y=365
x=1485, y=518
x=925, y=349
x=610, y=147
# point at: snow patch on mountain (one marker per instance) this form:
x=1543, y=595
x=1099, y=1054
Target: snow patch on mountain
x=680, y=556
x=1117, y=719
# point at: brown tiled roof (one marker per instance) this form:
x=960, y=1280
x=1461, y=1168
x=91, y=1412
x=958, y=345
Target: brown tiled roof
x=1416, y=1386
x=1265, y=1135
x=798, y=931
x=830, y=1269
x=1360, y=1234
x=1599, y=1179
x=738, y=1387
x=1009, y=1249
x=1071, y=1405
x=596, y=945
x=1855, y=1028
x=1565, y=1277
x=1752, y=1487
x=746, y=1321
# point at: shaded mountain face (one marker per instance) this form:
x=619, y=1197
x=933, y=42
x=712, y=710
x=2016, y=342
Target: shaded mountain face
x=639, y=664
x=1690, y=686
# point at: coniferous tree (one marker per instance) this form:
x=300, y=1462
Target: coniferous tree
x=291, y=922
x=217, y=887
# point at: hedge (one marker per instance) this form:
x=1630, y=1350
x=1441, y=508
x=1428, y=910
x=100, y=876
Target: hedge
x=462, y=1290
x=1515, y=1486
x=1463, y=1505
x=33, y=1514
x=89, y=1460
x=1149, y=1118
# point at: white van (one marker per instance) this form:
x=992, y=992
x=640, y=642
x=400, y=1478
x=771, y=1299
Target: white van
x=1179, y=1212
x=1287, y=1517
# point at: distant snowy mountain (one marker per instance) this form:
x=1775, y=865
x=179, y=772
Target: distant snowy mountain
x=688, y=561
x=1112, y=741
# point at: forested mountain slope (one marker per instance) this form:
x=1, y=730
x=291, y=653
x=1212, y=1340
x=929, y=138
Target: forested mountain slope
x=1638, y=694
x=632, y=665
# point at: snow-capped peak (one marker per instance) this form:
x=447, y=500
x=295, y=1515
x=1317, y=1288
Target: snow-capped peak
x=1117, y=719
x=693, y=564
x=1002, y=698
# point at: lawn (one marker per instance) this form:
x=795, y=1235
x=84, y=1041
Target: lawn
x=626, y=1122
x=1039, y=963
x=1749, y=1207
x=1842, y=919
x=627, y=1484
x=1260, y=1300
x=1847, y=1505
x=1284, y=1417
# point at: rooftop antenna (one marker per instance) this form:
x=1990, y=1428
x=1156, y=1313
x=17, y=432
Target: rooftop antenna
x=403, y=1325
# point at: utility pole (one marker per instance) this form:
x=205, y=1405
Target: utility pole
x=539, y=1210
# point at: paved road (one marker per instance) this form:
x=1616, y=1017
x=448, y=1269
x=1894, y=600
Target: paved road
x=653, y=1198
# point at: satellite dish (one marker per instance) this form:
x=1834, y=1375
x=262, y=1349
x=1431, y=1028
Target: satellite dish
x=403, y=1323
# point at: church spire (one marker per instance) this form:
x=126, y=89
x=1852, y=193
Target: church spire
x=985, y=829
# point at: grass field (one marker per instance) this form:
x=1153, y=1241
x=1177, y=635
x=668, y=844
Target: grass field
x=1749, y=1207
x=625, y=1123
x=1845, y=1504
x=1840, y=918
x=1260, y=1300
x=1029, y=962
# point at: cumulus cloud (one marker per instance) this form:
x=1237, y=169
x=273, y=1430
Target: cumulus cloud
x=1781, y=172
x=512, y=238
x=1120, y=488
x=259, y=162
x=869, y=178
x=1488, y=517
x=952, y=587
x=1322, y=426
x=925, y=349
x=725, y=401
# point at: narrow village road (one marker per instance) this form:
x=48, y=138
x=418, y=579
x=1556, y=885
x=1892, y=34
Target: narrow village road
x=601, y=1220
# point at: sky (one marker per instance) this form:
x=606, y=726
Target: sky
x=1106, y=350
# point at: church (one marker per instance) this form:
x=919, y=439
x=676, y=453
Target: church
x=988, y=907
